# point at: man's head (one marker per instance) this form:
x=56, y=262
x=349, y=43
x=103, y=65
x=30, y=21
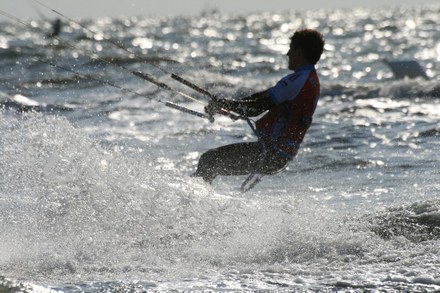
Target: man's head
x=306, y=46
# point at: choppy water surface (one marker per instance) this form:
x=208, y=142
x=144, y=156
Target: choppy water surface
x=95, y=192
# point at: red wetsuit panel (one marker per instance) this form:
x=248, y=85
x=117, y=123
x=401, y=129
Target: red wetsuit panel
x=283, y=128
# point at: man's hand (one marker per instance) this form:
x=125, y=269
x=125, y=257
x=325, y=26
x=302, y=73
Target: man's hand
x=212, y=108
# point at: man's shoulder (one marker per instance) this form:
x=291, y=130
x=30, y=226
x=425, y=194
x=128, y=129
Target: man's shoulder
x=296, y=77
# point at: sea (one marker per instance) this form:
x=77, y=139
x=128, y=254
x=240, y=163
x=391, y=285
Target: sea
x=96, y=193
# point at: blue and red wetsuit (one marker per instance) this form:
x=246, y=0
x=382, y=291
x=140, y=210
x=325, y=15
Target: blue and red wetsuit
x=295, y=98
x=290, y=105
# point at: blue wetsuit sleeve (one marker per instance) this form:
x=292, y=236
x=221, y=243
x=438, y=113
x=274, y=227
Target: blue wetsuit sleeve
x=288, y=87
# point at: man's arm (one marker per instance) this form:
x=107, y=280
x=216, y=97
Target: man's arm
x=249, y=106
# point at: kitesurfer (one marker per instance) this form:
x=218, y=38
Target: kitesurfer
x=289, y=104
x=56, y=28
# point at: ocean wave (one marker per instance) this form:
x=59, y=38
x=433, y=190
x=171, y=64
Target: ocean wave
x=10, y=54
x=22, y=104
x=417, y=222
x=9, y=285
x=396, y=89
x=124, y=60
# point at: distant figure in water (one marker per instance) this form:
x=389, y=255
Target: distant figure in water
x=56, y=28
x=289, y=107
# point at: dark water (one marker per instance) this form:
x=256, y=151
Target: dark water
x=95, y=193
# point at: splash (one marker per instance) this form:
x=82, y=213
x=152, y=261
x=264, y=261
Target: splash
x=90, y=210
x=78, y=202
x=76, y=210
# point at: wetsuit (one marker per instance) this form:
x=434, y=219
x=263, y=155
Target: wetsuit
x=290, y=105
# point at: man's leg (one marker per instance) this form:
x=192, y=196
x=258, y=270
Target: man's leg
x=233, y=159
x=238, y=159
x=272, y=163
